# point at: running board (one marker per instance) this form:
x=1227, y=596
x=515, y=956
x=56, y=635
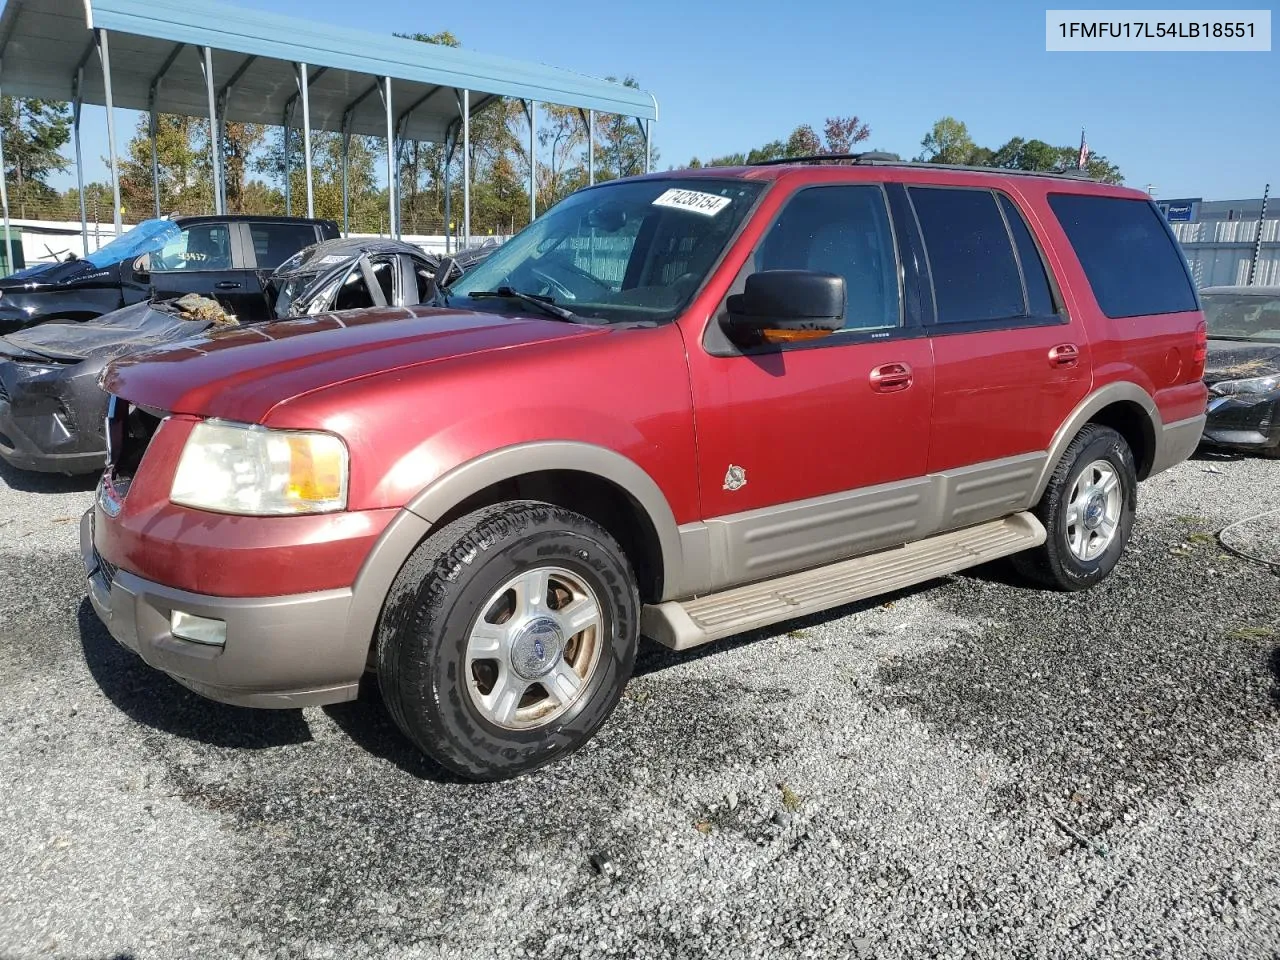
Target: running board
x=688, y=623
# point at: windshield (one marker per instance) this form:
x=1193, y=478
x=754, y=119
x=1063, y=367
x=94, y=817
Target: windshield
x=625, y=251
x=1242, y=315
x=146, y=237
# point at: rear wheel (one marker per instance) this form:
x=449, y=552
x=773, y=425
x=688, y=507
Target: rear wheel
x=507, y=638
x=1087, y=511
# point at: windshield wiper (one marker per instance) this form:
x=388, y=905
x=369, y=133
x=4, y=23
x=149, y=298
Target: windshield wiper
x=546, y=304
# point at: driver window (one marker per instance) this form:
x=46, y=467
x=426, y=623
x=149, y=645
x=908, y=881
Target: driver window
x=201, y=246
x=845, y=231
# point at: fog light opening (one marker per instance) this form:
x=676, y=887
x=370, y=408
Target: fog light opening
x=206, y=630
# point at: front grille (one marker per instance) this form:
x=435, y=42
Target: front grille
x=107, y=568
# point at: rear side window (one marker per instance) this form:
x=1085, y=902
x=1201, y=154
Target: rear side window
x=274, y=243
x=1133, y=264
x=975, y=274
x=1039, y=299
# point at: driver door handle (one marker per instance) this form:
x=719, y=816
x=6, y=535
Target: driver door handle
x=227, y=285
x=891, y=377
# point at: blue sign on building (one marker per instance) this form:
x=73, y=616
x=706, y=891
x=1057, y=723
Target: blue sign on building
x=1179, y=211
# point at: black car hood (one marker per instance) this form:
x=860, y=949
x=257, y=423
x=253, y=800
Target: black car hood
x=124, y=331
x=1240, y=360
x=53, y=275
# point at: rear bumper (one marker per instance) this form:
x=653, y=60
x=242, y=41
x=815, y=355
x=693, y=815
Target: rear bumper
x=1176, y=442
x=287, y=651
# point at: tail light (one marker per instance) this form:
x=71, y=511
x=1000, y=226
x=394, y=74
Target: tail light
x=1201, y=351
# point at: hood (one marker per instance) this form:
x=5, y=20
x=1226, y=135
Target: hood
x=1240, y=360
x=241, y=374
x=133, y=328
x=55, y=275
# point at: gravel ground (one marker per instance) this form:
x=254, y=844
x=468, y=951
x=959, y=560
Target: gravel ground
x=973, y=768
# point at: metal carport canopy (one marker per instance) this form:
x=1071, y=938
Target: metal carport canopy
x=44, y=42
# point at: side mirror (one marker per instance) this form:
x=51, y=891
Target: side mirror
x=142, y=268
x=782, y=306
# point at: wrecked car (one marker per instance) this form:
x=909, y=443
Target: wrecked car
x=228, y=257
x=51, y=408
x=351, y=273
x=1243, y=368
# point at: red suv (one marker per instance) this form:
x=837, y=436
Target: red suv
x=682, y=405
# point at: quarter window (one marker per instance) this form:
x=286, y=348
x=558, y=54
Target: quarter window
x=1128, y=254
x=845, y=231
x=975, y=275
x=1039, y=298
x=274, y=243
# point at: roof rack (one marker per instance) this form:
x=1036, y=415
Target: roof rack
x=869, y=156
x=878, y=158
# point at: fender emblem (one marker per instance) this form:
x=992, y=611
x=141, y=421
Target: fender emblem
x=735, y=478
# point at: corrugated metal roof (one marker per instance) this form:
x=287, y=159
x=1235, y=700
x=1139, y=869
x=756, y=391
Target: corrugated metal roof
x=43, y=41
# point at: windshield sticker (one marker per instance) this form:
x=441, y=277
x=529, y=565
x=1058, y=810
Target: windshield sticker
x=331, y=259
x=707, y=204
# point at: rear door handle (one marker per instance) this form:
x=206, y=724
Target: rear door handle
x=1064, y=355
x=227, y=285
x=891, y=377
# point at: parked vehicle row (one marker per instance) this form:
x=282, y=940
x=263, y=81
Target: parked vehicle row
x=52, y=409
x=684, y=405
x=1243, y=370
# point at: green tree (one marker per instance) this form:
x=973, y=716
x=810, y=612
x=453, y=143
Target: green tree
x=839, y=135
x=947, y=142
x=184, y=167
x=35, y=131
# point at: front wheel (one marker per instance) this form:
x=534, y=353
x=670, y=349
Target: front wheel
x=1087, y=511
x=507, y=638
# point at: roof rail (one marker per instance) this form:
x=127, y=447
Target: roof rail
x=878, y=158
x=870, y=155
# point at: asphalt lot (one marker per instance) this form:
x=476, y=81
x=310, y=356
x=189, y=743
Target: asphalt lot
x=972, y=768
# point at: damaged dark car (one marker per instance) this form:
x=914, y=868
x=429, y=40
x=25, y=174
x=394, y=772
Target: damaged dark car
x=227, y=257
x=51, y=407
x=1243, y=368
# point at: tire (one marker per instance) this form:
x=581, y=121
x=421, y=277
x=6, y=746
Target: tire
x=1067, y=559
x=469, y=590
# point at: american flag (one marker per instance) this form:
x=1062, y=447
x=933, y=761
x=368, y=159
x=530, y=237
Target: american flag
x=1084, y=151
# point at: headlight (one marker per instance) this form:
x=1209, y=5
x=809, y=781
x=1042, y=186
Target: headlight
x=245, y=469
x=1226, y=388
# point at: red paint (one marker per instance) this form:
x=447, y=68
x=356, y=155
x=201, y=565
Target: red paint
x=416, y=392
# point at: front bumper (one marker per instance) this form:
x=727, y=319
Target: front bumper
x=1244, y=422
x=280, y=652
x=52, y=424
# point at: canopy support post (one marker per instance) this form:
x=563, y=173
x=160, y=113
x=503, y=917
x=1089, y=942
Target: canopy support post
x=531, y=110
x=215, y=148
x=450, y=145
x=4, y=202
x=104, y=55
x=648, y=148
x=466, y=168
x=77, y=103
x=304, y=87
x=288, y=164
x=385, y=90
x=591, y=148
x=154, y=125
x=346, y=186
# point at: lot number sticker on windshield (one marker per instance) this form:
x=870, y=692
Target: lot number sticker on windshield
x=707, y=204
